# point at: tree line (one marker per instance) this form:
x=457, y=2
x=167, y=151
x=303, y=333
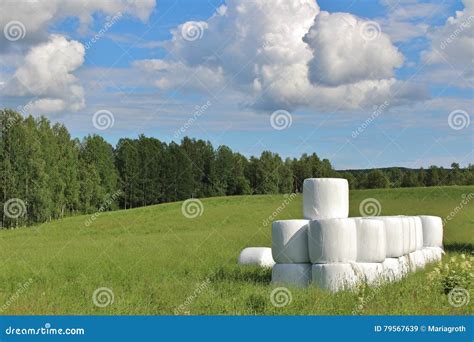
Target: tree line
x=46, y=174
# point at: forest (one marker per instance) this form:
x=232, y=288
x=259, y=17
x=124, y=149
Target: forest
x=54, y=175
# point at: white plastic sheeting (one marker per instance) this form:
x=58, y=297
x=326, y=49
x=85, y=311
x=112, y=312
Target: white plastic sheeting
x=371, y=240
x=260, y=256
x=291, y=274
x=325, y=198
x=418, y=233
x=412, y=247
x=332, y=240
x=290, y=241
x=417, y=260
x=334, y=277
x=432, y=231
x=371, y=273
x=405, y=221
x=395, y=235
x=391, y=269
x=433, y=254
x=404, y=265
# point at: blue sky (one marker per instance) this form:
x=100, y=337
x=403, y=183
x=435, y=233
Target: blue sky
x=407, y=91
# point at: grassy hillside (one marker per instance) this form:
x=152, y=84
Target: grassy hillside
x=155, y=260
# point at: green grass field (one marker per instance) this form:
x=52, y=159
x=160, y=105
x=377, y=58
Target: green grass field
x=155, y=260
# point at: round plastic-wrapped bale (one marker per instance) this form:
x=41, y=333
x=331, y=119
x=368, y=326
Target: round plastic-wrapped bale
x=259, y=256
x=325, y=198
x=370, y=272
x=432, y=231
x=404, y=265
x=290, y=241
x=334, y=277
x=405, y=221
x=332, y=240
x=371, y=240
x=298, y=275
x=418, y=233
x=412, y=247
x=417, y=260
x=391, y=269
x=432, y=254
x=394, y=233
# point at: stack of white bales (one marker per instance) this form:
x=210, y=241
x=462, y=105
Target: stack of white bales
x=336, y=252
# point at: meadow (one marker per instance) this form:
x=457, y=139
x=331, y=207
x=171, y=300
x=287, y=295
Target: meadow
x=156, y=261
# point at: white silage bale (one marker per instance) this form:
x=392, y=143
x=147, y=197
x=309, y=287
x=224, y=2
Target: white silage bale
x=433, y=254
x=325, y=198
x=298, y=275
x=391, y=269
x=332, y=240
x=260, y=256
x=371, y=273
x=406, y=233
x=290, y=241
x=404, y=265
x=371, y=240
x=412, y=247
x=432, y=231
x=334, y=277
x=394, y=232
x=418, y=233
x=417, y=260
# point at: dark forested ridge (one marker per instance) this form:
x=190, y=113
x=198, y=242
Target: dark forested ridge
x=52, y=175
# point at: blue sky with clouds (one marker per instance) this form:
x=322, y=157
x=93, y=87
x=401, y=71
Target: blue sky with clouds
x=362, y=83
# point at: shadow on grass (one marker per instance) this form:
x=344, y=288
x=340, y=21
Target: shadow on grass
x=246, y=274
x=459, y=247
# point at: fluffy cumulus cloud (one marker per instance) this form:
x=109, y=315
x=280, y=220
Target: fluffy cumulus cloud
x=280, y=54
x=47, y=73
x=44, y=63
x=452, y=45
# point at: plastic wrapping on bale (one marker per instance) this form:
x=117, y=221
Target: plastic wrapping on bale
x=260, y=256
x=325, y=198
x=371, y=240
x=405, y=221
x=334, y=277
x=418, y=233
x=432, y=254
x=412, y=247
x=404, y=265
x=371, y=273
x=432, y=231
x=394, y=232
x=290, y=241
x=298, y=275
x=417, y=260
x=391, y=269
x=332, y=240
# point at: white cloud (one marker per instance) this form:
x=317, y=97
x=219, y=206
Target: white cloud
x=257, y=49
x=47, y=72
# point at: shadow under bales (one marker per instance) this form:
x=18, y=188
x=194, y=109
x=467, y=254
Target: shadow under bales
x=459, y=247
